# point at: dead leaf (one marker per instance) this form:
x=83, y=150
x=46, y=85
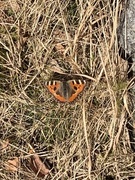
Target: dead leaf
x=60, y=48
x=54, y=66
x=14, y=5
x=38, y=166
x=12, y=165
x=4, y=145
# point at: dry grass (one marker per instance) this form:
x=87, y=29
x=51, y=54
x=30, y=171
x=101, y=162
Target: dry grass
x=88, y=138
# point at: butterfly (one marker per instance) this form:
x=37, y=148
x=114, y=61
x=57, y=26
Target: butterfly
x=66, y=91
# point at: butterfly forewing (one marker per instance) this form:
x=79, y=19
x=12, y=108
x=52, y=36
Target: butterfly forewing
x=77, y=85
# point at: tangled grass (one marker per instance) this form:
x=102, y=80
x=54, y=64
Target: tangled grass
x=43, y=40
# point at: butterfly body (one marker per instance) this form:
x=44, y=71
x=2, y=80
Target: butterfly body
x=66, y=91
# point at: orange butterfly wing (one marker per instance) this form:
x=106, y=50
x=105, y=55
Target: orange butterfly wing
x=53, y=87
x=77, y=86
x=74, y=86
